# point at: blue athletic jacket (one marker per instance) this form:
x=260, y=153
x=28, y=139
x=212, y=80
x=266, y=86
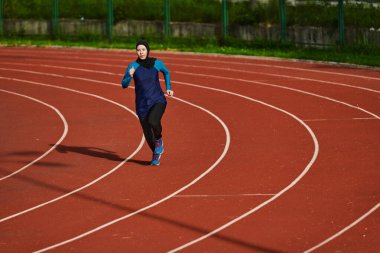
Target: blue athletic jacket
x=147, y=85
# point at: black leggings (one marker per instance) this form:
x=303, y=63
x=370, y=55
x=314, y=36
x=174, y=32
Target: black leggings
x=151, y=124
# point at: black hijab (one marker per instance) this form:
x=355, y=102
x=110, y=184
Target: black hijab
x=148, y=62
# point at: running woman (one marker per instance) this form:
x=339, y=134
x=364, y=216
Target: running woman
x=150, y=99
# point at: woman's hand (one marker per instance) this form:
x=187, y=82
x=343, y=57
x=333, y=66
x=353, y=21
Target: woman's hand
x=170, y=93
x=131, y=71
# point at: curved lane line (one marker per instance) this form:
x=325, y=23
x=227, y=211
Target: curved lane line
x=63, y=136
x=273, y=75
x=372, y=210
x=290, y=185
x=289, y=68
x=56, y=75
x=92, y=182
x=180, y=190
x=277, y=195
x=226, y=147
x=298, y=91
x=140, y=210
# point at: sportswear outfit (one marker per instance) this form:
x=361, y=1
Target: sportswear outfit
x=150, y=99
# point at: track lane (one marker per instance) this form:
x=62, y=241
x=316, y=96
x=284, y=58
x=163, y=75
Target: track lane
x=113, y=188
x=16, y=130
x=301, y=82
x=365, y=99
x=320, y=111
x=189, y=217
x=92, y=149
x=354, y=241
x=334, y=192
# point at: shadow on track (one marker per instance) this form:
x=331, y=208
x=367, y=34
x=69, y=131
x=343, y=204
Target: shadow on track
x=88, y=151
x=95, y=200
x=97, y=152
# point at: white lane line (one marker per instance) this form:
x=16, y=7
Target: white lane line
x=372, y=210
x=63, y=136
x=314, y=120
x=291, y=184
x=268, y=74
x=56, y=75
x=226, y=147
x=291, y=89
x=363, y=118
x=92, y=182
x=270, y=66
x=277, y=195
x=223, y=195
x=68, y=68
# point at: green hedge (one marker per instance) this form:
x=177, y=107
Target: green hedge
x=325, y=13
x=27, y=9
x=306, y=12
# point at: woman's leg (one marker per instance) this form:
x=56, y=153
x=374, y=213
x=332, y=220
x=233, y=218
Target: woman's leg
x=149, y=137
x=151, y=125
x=154, y=119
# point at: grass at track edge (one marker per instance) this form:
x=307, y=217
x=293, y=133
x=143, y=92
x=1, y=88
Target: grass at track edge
x=354, y=56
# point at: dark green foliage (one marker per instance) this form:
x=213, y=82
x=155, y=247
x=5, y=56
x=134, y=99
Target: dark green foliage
x=27, y=9
x=94, y=9
x=362, y=15
x=312, y=14
x=305, y=12
x=138, y=10
x=206, y=11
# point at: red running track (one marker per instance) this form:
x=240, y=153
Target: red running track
x=261, y=155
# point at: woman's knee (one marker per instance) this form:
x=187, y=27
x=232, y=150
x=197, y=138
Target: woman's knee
x=154, y=122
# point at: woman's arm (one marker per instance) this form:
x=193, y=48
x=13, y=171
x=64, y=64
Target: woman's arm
x=128, y=76
x=160, y=66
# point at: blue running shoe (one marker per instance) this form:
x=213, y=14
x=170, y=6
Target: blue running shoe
x=159, y=146
x=156, y=159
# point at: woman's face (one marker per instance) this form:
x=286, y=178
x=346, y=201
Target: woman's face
x=142, y=52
